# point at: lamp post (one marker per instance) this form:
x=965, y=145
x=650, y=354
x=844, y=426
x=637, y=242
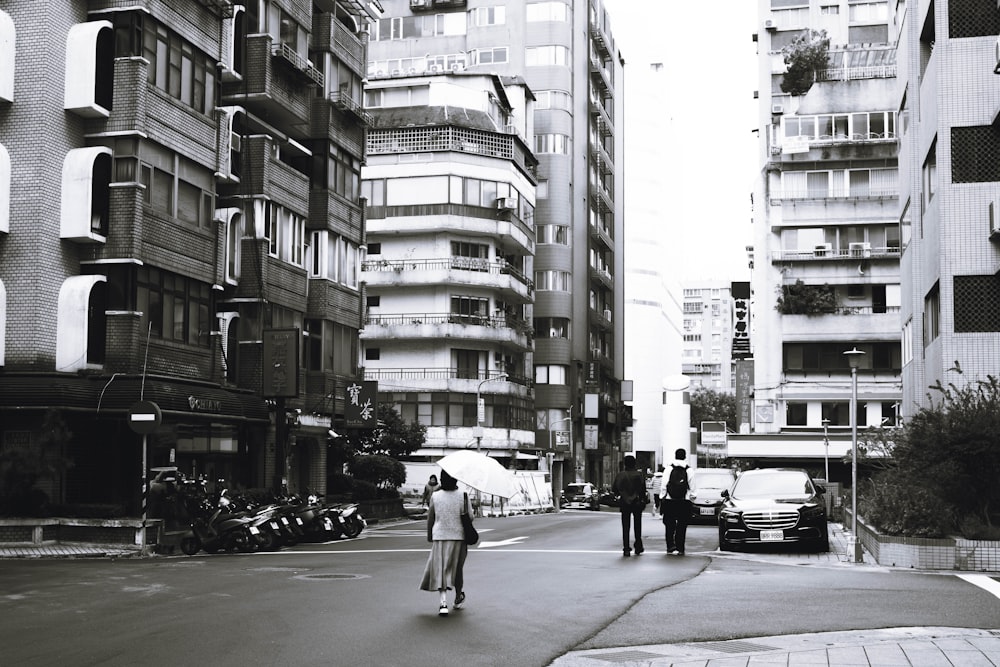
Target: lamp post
x=552, y=436
x=826, y=450
x=481, y=409
x=854, y=360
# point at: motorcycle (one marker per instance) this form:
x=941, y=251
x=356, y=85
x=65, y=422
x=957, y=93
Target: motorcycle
x=347, y=521
x=215, y=528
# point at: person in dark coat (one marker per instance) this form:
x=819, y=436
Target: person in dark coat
x=674, y=504
x=630, y=487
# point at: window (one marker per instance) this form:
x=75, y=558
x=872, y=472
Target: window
x=796, y=414
x=829, y=9
x=89, y=83
x=285, y=232
x=373, y=354
x=334, y=257
x=551, y=143
x=8, y=36
x=932, y=314
x=555, y=234
x=466, y=363
x=558, y=281
x=553, y=99
x=546, y=55
x=929, y=177
x=373, y=301
x=547, y=11
x=173, y=307
x=973, y=154
x=175, y=66
x=484, y=16
x=977, y=303
x=85, y=196
x=868, y=12
x=433, y=25
x=469, y=309
x=552, y=327
x=490, y=56
x=551, y=374
x=335, y=169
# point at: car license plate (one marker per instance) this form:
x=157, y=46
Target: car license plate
x=707, y=511
x=772, y=535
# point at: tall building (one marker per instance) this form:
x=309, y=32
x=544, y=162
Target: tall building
x=949, y=211
x=450, y=190
x=826, y=276
x=179, y=223
x=565, y=54
x=707, y=356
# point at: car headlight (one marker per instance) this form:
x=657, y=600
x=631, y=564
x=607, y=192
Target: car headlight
x=729, y=516
x=812, y=512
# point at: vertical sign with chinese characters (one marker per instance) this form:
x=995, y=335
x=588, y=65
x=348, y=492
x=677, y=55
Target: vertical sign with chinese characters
x=744, y=395
x=361, y=405
x=281, y=363
x=741, y=320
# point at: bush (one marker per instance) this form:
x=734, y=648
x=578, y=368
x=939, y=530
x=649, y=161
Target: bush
x=898, y=507
x=974, y=528
x=364, y=491
x=339, y=484
x=382, y=471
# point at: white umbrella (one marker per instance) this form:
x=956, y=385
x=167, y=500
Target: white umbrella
x=480, y=472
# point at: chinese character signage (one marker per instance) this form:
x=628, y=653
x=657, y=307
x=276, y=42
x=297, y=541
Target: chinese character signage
x=741, y=320
x=281, y=363
x=744, y=395
x=361, y=405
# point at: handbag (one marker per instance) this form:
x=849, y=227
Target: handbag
x=471, y=534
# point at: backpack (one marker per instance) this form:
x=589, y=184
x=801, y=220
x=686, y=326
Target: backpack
x=677, y=483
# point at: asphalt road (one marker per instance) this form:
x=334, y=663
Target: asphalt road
x=538, y=587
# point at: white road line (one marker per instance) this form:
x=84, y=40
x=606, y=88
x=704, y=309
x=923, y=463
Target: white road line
x=988, y=584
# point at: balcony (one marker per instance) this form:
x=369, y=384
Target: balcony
x=342, y=100
x=602, y=197
x=505, y=330
x=601, y=236
x=599, y=75
x=855, y=73
x=515, y=234
x=498, y=275
x=845, y=323
x=602, y=276
x=601, y=319
x=267, y=176
x=826, y=252
x=330, y=34
x=600, y=41
x=285, y=53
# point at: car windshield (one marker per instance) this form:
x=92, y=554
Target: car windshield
x=710, y=479
x=577, y=488
x=773, y=484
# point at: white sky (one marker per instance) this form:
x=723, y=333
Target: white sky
x=709, y=62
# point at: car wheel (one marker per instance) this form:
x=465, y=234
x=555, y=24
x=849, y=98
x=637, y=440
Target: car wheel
x=823, y=544
x=724, y=544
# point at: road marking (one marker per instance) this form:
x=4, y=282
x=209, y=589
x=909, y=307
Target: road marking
x=988, y=584
x=503, y=543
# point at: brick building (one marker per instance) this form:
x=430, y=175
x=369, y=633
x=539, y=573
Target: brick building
x=179, y=190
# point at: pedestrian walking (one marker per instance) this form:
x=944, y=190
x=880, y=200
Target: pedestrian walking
x=446, y=563
x=674, y=504
x=429, y=488
x=653, y=486
x=630, y=487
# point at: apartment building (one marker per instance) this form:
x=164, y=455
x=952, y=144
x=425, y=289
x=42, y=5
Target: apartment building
x=707, y=355
x=450, y=190
x=948, y=98
x=565, y=54
x=180, y=224
x=826, y=276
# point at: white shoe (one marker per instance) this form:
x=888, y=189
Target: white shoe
x=443, y=610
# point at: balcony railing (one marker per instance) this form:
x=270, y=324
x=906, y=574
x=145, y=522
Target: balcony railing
x=287, y=53
x=501, y=321
x=836, y=193
x=816, y=254
x=852, y=73
x=441, y=374
x=476, y=264
x=342, y=100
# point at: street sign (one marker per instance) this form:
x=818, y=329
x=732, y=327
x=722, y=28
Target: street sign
x=481, y=413
x=144, y=417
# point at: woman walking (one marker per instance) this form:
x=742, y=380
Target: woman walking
x=444, y=569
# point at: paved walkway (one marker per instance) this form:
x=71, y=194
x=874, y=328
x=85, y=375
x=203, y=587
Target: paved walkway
x=919, y=647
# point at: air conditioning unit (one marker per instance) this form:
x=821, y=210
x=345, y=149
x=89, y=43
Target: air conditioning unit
x=777, y=108
x=822, y=249
x=506, y=203
x=860, y=249
x=412, y=71
x=597, y=351
x=433, y=69
x=770, y=24
x=379, y=73
x=607, y=314
x=397, y=72
x=418, y=4
x=456, y=67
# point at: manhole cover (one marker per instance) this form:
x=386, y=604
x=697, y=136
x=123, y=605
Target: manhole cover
x=338, y=577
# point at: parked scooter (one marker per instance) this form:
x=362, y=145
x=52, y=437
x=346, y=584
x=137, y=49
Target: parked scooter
x=347, y=521
x=214, y=528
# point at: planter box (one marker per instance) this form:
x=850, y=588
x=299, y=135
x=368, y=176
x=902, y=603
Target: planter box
x=124, y=532
x=928, y=554
x=387, y=508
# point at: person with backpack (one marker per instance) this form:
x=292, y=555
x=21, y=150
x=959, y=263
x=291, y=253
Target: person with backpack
x=674, y=504
x=630, y=487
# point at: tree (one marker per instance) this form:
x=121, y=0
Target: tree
x=807, y=54
x=372, y=455
x=802, y=299
x=947, y=457
x=708, y=405
x=20, y=470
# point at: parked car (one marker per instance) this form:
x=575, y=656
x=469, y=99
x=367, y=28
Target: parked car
x=707, y=485
x=607, y=497
x=580, y=495
x=773, y=505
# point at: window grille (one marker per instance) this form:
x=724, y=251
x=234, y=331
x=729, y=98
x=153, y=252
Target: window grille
x=973, y=18
x=973, y=154
x=977, y=303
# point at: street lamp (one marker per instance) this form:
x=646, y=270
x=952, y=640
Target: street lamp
x=854, y=360
x=481, y=408
x=826, y=453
